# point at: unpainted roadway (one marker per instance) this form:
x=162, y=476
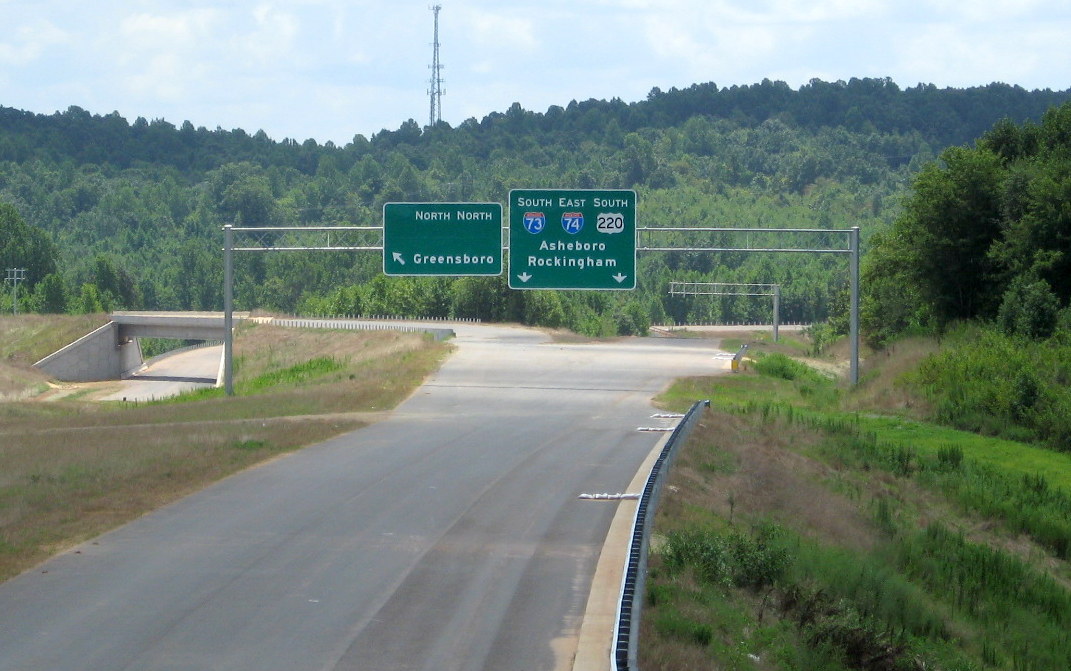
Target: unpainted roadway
x=171, y=375
x=447, y=537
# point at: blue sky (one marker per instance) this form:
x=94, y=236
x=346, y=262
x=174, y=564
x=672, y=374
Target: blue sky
x=331, y=69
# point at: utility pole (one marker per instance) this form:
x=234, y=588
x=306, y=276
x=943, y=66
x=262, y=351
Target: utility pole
x=853, y=317
x=436, y=89
x=15, y=275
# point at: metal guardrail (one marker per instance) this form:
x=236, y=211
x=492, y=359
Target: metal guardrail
x=627, y=628
x=301, y=322
x=738, y=358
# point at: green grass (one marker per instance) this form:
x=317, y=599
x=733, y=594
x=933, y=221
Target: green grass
x=1005, y=455
x=926, y=591
x=996, y=384
x=814, y=396
x=958, y=558
x=28, y=338
x=732, y=344
x=299, y=374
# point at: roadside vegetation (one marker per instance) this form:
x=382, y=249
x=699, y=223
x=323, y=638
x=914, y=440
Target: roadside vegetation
x=807, y=526
x=71, y=468
x=923, y=519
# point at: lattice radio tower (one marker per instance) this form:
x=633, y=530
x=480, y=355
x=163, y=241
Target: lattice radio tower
x=436, y=89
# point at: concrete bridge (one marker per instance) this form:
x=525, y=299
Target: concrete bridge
x=113, y=350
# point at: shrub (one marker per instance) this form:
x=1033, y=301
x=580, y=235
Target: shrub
x=1029, y=308
x=731, y=559
x=786, y=368
x=995, y=384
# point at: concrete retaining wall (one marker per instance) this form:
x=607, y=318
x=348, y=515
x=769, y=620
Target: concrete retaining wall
x=100, y=355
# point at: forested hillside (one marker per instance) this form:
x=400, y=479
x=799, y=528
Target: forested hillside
x=981, y=255
x=106, y=214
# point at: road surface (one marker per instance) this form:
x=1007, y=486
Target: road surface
x=171, y=375
x=449, y=536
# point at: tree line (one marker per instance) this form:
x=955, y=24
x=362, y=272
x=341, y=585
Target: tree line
x=943, y=117
x=980, y=256
x=985, y=235
x=133, y=212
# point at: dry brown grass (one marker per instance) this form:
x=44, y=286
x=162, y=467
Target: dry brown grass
x=882, y=388
x=70, y=470
x=67, y=485
x=744, y=472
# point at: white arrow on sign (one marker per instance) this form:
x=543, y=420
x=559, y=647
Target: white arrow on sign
x=620, y=278
x=398, y=258
x=524, y=277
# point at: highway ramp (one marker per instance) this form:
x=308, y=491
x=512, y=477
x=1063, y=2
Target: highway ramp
x=171, y=375
x=449, y=536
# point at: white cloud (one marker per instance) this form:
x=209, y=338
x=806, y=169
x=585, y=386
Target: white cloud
x=686, y=13
x=160, y=56
x=724, y=42
x=502, y=31
x=993, y=11
x=957, y=55
x=31, y=42
x=334, y=68
x=272, y=39
x=177, y=30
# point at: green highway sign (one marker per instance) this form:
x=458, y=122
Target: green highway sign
x=442, y=239
x=572, y=239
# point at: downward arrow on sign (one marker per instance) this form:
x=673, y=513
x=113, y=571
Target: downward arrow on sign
x=398, y=258
x=620, y=278
x=524, y=277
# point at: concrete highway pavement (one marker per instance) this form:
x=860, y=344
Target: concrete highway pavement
x=171, y=375
x=449, y=536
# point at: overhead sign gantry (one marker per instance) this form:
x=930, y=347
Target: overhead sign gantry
x=559, y=239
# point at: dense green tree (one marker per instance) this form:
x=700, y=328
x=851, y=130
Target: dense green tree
x=198, y=279
x=891, y=300
x=1029, y=308
x=986, y=233
x=151, y=198
x=50, y=296
x=116, y=283
x=1037, y=219
x=25, y=246
x=939, y=245
x=90, y=301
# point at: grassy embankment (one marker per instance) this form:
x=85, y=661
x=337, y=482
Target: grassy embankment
x=809, y=527
x=70, y=469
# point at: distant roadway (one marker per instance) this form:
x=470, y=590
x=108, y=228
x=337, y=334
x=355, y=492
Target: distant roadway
x=448, y=536
x=171, y=375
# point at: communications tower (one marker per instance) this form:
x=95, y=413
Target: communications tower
x=436, y=89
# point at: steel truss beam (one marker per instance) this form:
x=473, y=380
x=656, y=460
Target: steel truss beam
x=851, y=250
x=732, y=289
x=311, y=238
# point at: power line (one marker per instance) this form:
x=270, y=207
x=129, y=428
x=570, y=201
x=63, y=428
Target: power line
x=435, y=91
x=15, y=275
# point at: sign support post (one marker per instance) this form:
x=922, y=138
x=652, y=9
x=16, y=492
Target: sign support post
x=228, y=309
x=853, y=325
